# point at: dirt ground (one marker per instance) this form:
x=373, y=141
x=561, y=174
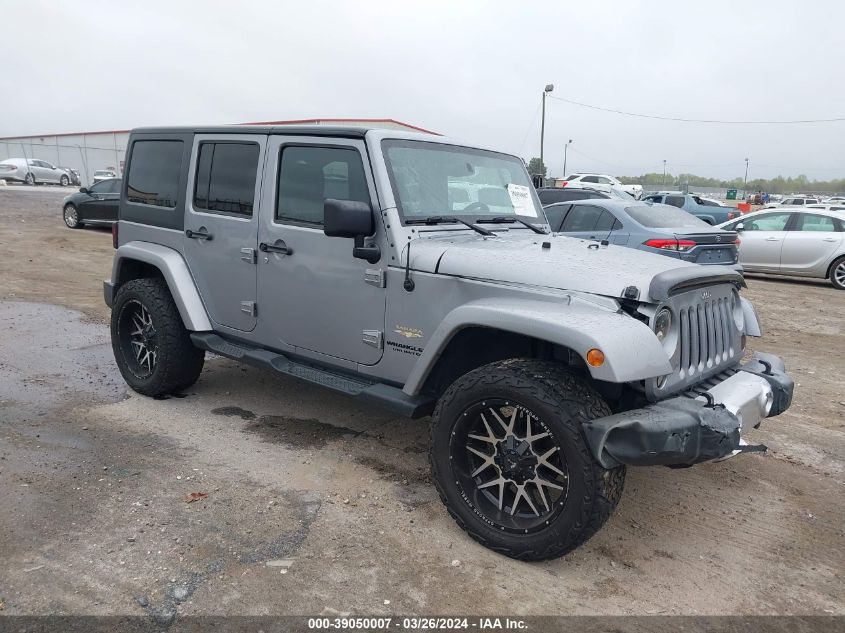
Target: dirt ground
x=317, y=504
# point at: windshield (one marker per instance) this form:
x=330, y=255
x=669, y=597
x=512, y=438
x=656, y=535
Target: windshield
x=620, y=194
x=659, y=216
x=432, y=179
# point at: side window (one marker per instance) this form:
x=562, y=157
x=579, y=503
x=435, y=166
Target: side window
x=604, y=181
x=582, y=217
x=593, y=179
x=555, y=215
x=606, y=221
x=226, y=174
x=114, y=186
x=309, y=175
x=653, y=198
x=768, y=222
x=676, y=201
x=810, y=222
x=100, y=187
x=153, y=176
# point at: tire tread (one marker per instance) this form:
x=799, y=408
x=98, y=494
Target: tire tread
x=181, y=363
x=576, y=401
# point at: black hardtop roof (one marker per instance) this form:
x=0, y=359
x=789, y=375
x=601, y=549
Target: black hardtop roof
x=288, y=130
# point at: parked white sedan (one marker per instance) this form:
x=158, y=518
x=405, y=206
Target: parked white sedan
x=802, y=242
x=602, y=182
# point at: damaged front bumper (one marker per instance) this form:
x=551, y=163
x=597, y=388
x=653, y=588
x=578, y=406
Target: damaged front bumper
x=683, y=431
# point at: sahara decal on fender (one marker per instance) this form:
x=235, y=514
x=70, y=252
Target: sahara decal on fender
x=408, y=332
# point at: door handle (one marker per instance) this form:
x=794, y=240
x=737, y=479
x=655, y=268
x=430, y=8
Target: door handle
x=773, y=239
x=829, y=239
x=280, y=247
x=198, y=235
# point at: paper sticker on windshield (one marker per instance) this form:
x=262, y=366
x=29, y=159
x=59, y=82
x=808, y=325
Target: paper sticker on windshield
x=521, y=200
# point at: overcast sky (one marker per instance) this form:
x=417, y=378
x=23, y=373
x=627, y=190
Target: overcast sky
x=471, y=70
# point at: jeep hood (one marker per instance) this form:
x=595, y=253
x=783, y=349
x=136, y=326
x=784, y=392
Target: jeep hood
x=566, y=263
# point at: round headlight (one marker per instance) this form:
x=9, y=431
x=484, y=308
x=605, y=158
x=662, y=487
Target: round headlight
x=662, y=324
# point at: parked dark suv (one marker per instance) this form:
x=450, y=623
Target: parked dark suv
x=553, y=195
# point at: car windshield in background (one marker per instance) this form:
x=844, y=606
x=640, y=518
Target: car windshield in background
x=432, y=179
x=658, y=216
x=620, y=194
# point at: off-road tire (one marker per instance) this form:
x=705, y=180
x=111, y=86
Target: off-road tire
x=834, y=268
x=178, y=363
x=563, y=401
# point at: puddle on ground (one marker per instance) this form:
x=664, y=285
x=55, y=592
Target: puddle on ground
x=234, y=412
x=297, y=432
x=392, y=472
x=49, y=354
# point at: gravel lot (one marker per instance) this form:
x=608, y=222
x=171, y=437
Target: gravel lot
x=317, y=504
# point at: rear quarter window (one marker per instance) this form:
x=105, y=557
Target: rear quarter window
x=153, y=176
x=153, y=190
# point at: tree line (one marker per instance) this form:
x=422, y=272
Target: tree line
x=780, y=184
x=656, y=180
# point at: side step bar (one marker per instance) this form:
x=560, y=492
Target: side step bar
x=380, y=394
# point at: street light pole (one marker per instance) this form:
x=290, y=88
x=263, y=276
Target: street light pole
x=565, y=148
x=546, y=90
x=663, y=186
x=745, y=186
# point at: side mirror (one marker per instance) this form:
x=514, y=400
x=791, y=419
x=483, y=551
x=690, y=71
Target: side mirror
x=83, y=190
x=350, y=218
x=739, y=227
x=347, y=218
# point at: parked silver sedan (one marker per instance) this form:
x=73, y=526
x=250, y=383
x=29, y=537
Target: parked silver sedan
x=32, y=171
x=800, y=242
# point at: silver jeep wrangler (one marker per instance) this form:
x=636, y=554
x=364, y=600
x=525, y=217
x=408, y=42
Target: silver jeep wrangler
x=417, y=274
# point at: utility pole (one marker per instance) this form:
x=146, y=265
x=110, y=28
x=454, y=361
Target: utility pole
x=663, y=186
x=546, y=90
x=565, y=148
x=745, y=186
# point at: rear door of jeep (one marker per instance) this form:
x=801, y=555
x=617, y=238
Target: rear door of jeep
x=221, y=224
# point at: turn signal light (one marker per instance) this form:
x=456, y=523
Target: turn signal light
x=595, y=358
x=671, y=245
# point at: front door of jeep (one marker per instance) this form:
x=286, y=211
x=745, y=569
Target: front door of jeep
x=314, y=298
x=221, y=225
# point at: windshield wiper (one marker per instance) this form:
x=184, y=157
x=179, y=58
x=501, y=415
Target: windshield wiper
x=442, y=219
x=510, y=220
